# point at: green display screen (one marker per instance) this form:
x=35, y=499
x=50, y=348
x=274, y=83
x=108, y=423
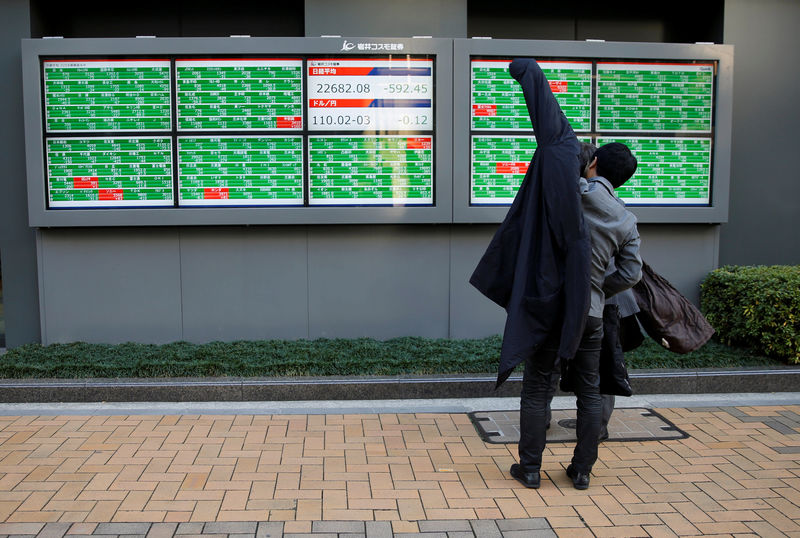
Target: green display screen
x=243, y=170
x=109, y=172
x=242, y=94
x=499, y=164
x=654, y=97
x=371, y=170
x=634, y=102
x=498, y=102
x=107, y=95
x=670, y=171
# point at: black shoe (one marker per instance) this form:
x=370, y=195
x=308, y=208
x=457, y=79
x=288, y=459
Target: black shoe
x=579, y=480
x=529, y=480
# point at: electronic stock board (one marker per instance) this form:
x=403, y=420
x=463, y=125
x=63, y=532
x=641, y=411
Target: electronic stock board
x=670, y=104
x=238, y=131
x=330, y=130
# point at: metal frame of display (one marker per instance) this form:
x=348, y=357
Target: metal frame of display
x=464, y=49
x=452, y=150
x=40, y=216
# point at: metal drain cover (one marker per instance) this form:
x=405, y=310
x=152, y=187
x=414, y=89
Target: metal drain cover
x=570, y=423
x=633, y=424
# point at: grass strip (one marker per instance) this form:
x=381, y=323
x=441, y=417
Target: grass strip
x=324, y=357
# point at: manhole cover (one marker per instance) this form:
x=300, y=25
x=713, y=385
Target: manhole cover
x=634, y=424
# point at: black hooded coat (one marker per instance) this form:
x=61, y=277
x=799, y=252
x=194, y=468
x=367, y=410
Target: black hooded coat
x=537, y=265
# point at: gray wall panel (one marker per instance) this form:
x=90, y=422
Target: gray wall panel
x=378, y=281
x=471, y=314
x=683, y=254
x=305, y=282
x=111, y=286
x=244, y=283
x=765, y=191
x=17, y=241
x=386, y=18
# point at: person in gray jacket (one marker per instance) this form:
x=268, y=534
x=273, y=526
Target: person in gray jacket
x=625, y=301
x=614, y=236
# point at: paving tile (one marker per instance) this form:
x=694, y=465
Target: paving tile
x=337, y=526
x=189, y=528
x=780, y=427
x=539, y=533
x=445, y=526
x=378, y=529
x=162, y=530
x=420, y=535
x=122, y=528
x=20, y=528
x=309, y=535
x=763, y=528
x=486, y=529
x=54, y=530
x=535, y=523
x=787, y=449
x=271, y=529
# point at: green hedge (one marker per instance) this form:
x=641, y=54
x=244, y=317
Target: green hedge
x=756, y=307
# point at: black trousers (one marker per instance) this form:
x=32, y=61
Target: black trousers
x=536, y=383
x=608, y=403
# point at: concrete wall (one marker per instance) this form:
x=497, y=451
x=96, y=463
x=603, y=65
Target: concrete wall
x=205, y=284
x=246, y=283
x=765, y=187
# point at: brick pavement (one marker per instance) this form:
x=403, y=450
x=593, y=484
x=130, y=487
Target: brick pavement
x=737, y=474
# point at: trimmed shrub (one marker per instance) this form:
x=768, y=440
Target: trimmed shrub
x=755, y=307
x=291, y=358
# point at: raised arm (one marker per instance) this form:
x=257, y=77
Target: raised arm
x=550, y=125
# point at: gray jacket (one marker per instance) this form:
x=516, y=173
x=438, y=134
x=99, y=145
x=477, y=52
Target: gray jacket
x=614, y=237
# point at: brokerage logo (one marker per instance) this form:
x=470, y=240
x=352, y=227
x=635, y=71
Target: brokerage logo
x=347, y=46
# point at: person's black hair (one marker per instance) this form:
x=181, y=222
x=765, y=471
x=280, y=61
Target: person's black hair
x=616, y=163
x=585, y=156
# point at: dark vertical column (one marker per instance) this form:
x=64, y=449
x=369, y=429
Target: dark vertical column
x=17, y=240
x=765, y=188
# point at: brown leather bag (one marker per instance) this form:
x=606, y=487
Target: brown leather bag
x=667, y=316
